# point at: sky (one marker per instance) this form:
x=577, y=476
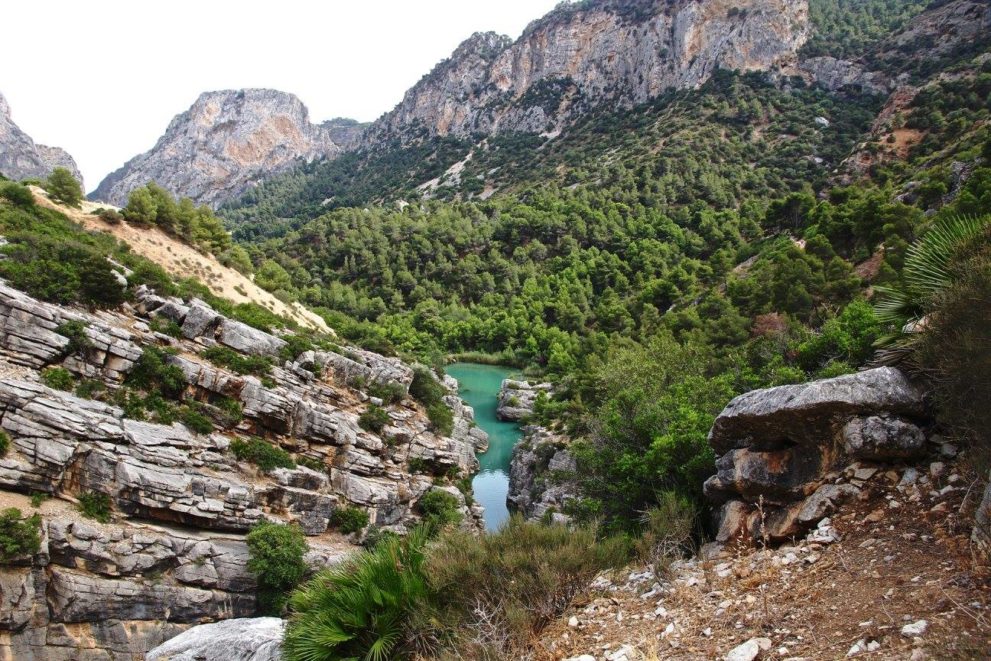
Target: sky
x=103, y=78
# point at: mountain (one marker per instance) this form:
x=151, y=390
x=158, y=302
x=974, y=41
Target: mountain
x=589, y=53
x=228, y=141
x=22, y=158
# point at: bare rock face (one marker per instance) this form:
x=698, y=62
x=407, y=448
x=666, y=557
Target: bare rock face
x=541, y=476
x=518, y=398
x=227, y=142
x=22, y=158
x=597, y=52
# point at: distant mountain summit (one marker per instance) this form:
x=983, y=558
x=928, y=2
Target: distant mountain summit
x=228, y=141
x=22, y=158
x=585, y=54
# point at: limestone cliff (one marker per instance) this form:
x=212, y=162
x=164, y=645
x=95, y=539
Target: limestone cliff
x=174, y=553
x=226, y=142
x=594, y=52
x=22, y=158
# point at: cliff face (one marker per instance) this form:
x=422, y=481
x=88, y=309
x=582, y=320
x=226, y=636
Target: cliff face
x=22, y=158
x=173, y=552
x=226, y=142
x=595, y=52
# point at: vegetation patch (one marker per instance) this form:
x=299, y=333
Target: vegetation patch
x=262, y=454
x=19, y=536
x=276, y=554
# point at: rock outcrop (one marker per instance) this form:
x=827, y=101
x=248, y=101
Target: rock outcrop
x=541, y=476
x=590, y=53
x=227, y=142
x=246, y=639
x=780, y=449
x=518, y=398
x=181, y=500
x=22, y=158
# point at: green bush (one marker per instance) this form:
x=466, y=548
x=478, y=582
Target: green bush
x=954, y=352
x=75, y=331
x=390, y=393
x=371, y=607
x=425, y=388
x=153, y=372
x=349, y=520
x=16, y=194
x=18, y=537
x=4, y=444
x=60, y=270
x=441, y=418
x=231, y=411
x=166, y=326
x=63, y=187
x=439, y=509
x=58, y=378
x=196, y=420
x=261, y=454
x=237, y=362
x=296, y=345
x=95, y=505
x=276, y=559
x=374, y=419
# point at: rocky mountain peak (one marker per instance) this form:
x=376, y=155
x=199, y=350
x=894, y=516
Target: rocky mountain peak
x=22, y=158
x=226, y=142
x=584, y=54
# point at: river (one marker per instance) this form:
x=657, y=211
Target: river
x=479, y=386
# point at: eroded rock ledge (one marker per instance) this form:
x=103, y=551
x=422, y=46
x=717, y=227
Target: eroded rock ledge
x=175, y=553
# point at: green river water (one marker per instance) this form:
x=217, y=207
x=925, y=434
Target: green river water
x=479, y=386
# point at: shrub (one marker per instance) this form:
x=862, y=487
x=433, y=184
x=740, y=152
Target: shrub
x=312, y=464
x=61, y=270
x=110, y=216
x=953, y=351
x=296, y=345
x=390, y=393
x=75, y=331
x=153, y=372
x=425, y=388
x=515, y=581
x=165, y=326
x=58, y=378
x=668, y=531
x=349, y=520
x=4, y=443
x=231, y=411
x=17, y=194
x=18, y=537
x=441, y=418
x=63, y=187
x=374, y=419
x=371, y=607
x=95, y=505
x=261, y=454
x=276, y=559
x=439, y=509
x=196, y=420
x=237, y=362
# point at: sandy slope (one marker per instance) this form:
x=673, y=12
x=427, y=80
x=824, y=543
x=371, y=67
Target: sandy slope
x=183, y=260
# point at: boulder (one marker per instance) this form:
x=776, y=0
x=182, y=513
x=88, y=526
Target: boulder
x=808, y=413
x=244, y=639
x=517, y=399
x=247, y=339
x=883, y=437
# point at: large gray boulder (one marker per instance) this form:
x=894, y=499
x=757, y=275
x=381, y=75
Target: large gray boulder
x=245, y=639
x=806, y=413
x=777, y=446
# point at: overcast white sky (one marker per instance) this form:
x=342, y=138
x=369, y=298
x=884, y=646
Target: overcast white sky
x=102, y=78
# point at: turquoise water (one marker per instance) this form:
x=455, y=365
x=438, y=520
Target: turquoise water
x=479, y=386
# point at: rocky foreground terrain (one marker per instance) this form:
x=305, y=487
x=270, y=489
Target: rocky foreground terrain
x=172, y=553
x=22, y=158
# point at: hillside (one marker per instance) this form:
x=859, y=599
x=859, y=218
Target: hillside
x=22, y=158
x=181, y=260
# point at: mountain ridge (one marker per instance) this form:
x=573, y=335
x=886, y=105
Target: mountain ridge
x=22, y=158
